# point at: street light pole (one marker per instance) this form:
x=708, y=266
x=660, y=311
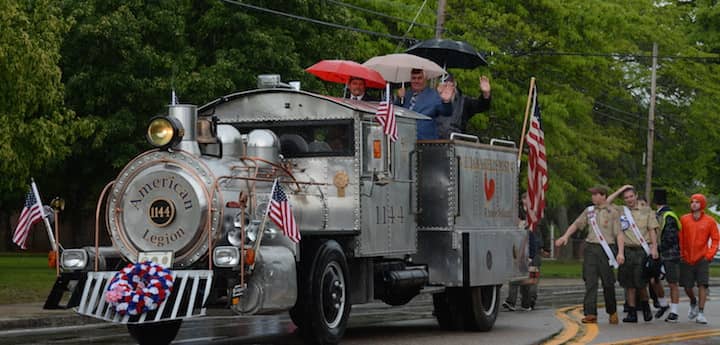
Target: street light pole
x=651, y=127
x=440, y=18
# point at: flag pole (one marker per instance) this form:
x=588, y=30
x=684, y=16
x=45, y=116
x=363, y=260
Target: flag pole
x=51, y=237
x=387, y=99
x=527, y=112
x=258, y=236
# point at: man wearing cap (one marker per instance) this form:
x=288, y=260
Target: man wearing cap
x=427, y=101
x=357, y=90
x=669, y=248
x=695, y=254
x=603, y=221
x=639, y=227
x=464, y=107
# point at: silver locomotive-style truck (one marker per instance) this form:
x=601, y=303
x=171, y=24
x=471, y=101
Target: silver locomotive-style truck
x=378, y=219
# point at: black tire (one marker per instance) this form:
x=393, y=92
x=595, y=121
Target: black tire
x=154, y=333
x=482, y=306
x=447, y=308
x=324, y=296
x=296, y=314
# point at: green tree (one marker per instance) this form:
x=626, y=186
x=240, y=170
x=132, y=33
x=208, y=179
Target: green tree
x=36, y=129
x=595, y=103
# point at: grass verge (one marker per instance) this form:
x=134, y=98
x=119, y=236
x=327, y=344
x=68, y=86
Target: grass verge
x=25, y=278
x=573, y=269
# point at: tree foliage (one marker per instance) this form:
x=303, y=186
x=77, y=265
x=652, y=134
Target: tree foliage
x=595, y=101
x=36, y=129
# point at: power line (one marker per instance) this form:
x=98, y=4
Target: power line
x=627, y=122
x=637, y=116
x=716, y=59
x=634, y=115
x=379, y=14
x=417, y=14
x=316, y=21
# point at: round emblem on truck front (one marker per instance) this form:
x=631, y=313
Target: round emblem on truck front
x=161, y=212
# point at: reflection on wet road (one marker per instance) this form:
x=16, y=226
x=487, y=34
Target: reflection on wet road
x=378, y=323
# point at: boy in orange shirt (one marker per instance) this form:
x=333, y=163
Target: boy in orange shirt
x=697, y=229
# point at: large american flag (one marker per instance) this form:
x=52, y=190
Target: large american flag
x=31, y=214
x=386, y=116
x=280, y=213
x=537, y=165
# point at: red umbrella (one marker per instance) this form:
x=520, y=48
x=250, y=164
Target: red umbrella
x=340, y=71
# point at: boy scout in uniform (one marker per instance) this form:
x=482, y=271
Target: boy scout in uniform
x=639, y=226
x=603, y=222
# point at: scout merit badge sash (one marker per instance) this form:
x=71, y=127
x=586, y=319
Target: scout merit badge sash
x=594, y=225
x=636, y=231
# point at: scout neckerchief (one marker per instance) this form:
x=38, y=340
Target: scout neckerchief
x=636, y=231
x=594, y=225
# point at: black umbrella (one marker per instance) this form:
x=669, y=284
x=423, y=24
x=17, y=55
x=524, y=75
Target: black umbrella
x=448, y=53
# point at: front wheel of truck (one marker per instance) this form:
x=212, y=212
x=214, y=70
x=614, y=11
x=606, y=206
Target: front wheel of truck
x=155, y=333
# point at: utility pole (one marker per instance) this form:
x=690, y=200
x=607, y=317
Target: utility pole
x=440, y=19
x=651, y=127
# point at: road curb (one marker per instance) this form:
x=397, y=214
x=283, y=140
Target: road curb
x=46, y=321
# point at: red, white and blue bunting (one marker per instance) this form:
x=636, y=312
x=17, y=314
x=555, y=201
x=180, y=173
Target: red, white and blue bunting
x=139, y=288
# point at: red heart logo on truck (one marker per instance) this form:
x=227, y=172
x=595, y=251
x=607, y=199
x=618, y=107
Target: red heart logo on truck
x=489, y=188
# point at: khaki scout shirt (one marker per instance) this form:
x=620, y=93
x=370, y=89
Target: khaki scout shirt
x=646, y=221
x=608, y=220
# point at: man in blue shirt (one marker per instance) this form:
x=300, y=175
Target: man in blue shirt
x=428, y=102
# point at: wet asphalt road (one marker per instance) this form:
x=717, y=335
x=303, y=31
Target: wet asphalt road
x=369, y=324
x=374, y=323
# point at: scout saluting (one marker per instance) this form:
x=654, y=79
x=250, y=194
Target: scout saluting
x=640, y=226
x=599, y=259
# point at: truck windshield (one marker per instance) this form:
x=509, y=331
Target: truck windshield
x=310, y=138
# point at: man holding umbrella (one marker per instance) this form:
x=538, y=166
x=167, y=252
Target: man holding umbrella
x=428, y=102
x=456, y=54
x=464, y=107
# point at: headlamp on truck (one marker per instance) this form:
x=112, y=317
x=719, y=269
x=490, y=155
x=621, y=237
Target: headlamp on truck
x=164, y=131
x=226, y=256
x=74, y=259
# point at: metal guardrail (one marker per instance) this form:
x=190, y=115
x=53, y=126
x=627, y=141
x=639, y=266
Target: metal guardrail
x=187, y=299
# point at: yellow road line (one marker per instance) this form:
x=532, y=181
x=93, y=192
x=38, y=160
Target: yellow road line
x=570, y=327
x=666, y=338
x=574, y=331
x=591, y=330
x=573, y=327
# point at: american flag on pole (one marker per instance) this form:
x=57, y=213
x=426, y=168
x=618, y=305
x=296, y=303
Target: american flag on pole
x=31, y=214
x=537, y=165
x=280, y=213
x=386, y=116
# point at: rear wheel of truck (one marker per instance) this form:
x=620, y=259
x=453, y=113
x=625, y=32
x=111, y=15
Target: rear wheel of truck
x=156, y=333
x=324, y=300
x=447, y=308
x=482, y=306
